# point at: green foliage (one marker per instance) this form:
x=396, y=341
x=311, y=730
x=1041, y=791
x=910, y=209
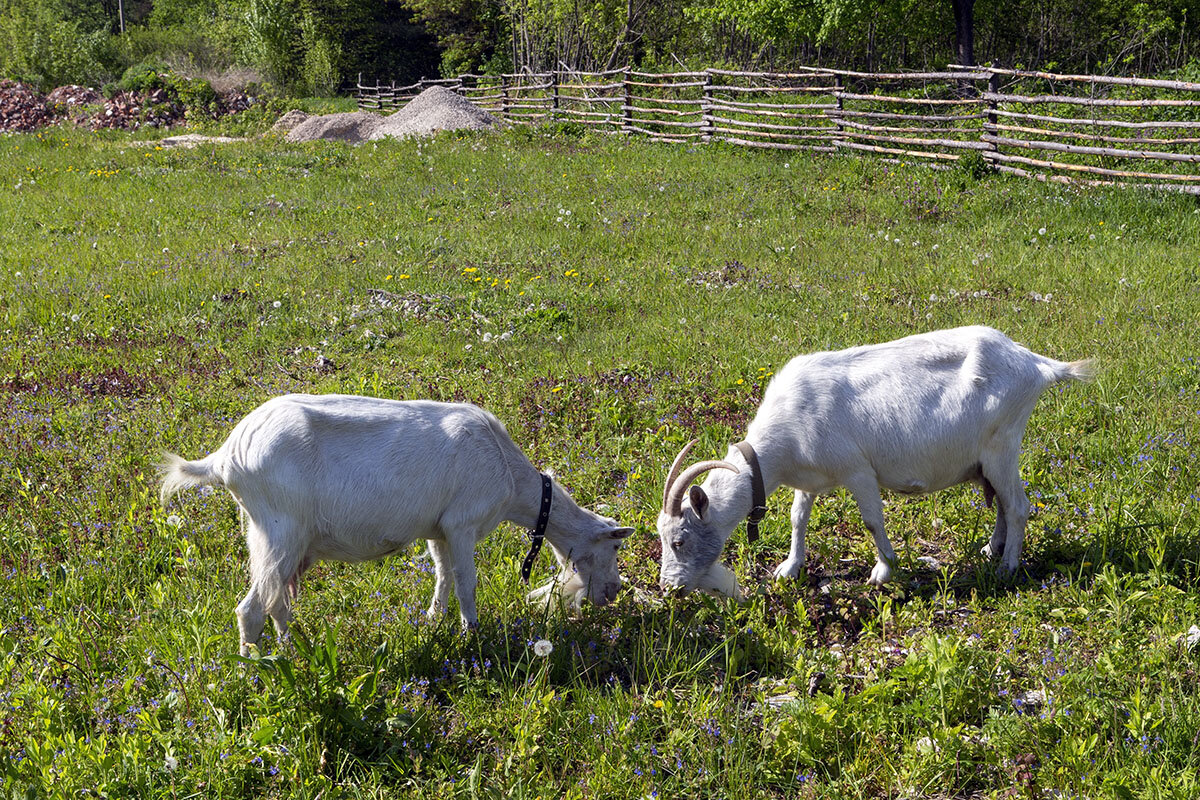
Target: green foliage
x=195, y=94
x=472, y=35
x=144, y=77
x=973, y=166
x=41, y=45
x=274, y=40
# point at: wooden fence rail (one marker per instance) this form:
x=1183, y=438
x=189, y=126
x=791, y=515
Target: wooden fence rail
x=1067, y=128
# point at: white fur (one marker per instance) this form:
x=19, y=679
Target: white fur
x=345, y=478
x=915, y=415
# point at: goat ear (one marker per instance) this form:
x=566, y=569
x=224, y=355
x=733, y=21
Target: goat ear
x=699, y=501
x=618, y=533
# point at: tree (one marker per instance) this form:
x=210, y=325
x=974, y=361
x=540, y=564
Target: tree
x=964, y=31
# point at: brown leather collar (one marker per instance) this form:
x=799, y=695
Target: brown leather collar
x=759, y=510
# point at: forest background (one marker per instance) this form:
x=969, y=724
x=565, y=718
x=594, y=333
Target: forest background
x=319, y=47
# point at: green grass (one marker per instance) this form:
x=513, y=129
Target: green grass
x=150, y=298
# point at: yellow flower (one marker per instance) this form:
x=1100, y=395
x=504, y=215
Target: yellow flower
x=658, y=703
x=556, y=389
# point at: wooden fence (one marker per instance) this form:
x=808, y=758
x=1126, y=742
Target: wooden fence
x=1067, y=128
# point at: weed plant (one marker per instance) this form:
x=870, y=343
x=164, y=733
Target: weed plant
x=609, y=300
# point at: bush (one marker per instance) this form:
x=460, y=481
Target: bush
x=37, y=48
x=274, y=40
x=974, y=166
x=196, y=95
x=144, y=77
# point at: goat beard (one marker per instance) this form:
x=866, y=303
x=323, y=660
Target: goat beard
x=720, y=580
x=566, y=591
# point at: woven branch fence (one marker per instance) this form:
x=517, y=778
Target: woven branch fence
x=1067, y=128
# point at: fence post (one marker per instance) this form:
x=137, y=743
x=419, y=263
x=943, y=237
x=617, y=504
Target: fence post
x=504, y=95
x=627, y=108
x=554, y=80
x=993, y=90
x=837, y=97
x=706, y=111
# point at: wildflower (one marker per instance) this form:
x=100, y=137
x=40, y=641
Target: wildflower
x=1193, y=637
x=171, y=762
x=542, y=648
x=1041, y=231
x=277, y=303
x=175, y=521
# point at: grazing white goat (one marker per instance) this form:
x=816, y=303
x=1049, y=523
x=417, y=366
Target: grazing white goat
x=915, y=415
x=337, y=477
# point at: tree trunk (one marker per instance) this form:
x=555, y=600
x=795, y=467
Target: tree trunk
x=964, y=31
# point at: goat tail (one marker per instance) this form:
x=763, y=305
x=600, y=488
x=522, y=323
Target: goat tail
x=178, y=473
x=1084, y=370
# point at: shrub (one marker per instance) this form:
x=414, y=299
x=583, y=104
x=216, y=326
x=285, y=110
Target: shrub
x=196, y=95
x=973, y=165
x=37, y=48
x=144, y=77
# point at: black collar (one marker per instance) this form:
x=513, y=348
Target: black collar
x=539, y=532
x=759, y=510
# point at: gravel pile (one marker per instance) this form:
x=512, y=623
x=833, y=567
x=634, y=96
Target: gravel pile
x=351, y=126
x=435, y=109
x=289, y=121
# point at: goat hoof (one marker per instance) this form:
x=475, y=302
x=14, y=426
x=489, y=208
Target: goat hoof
x=789, y=570
x=880, y=575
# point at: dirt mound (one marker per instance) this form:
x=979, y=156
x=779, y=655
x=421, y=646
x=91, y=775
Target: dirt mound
x=289, y=121
x=350, y=126
x=21, y=108
x=435, y=109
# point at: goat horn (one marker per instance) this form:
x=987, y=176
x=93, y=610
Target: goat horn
x=676, y=465
x=674, y=504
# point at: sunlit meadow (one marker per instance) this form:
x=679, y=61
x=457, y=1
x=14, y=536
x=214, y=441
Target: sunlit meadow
x=608, y=300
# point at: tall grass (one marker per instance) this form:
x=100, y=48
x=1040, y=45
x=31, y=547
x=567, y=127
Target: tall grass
x=609, y=300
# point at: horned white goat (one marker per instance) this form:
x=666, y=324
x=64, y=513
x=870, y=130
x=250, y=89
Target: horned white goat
x=337, y=477
x=915, y=415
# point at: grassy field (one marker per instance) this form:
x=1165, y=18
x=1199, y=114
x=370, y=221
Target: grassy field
x=608, y=300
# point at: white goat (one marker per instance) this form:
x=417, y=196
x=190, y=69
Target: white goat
x=336, y=477
x=915, y=415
